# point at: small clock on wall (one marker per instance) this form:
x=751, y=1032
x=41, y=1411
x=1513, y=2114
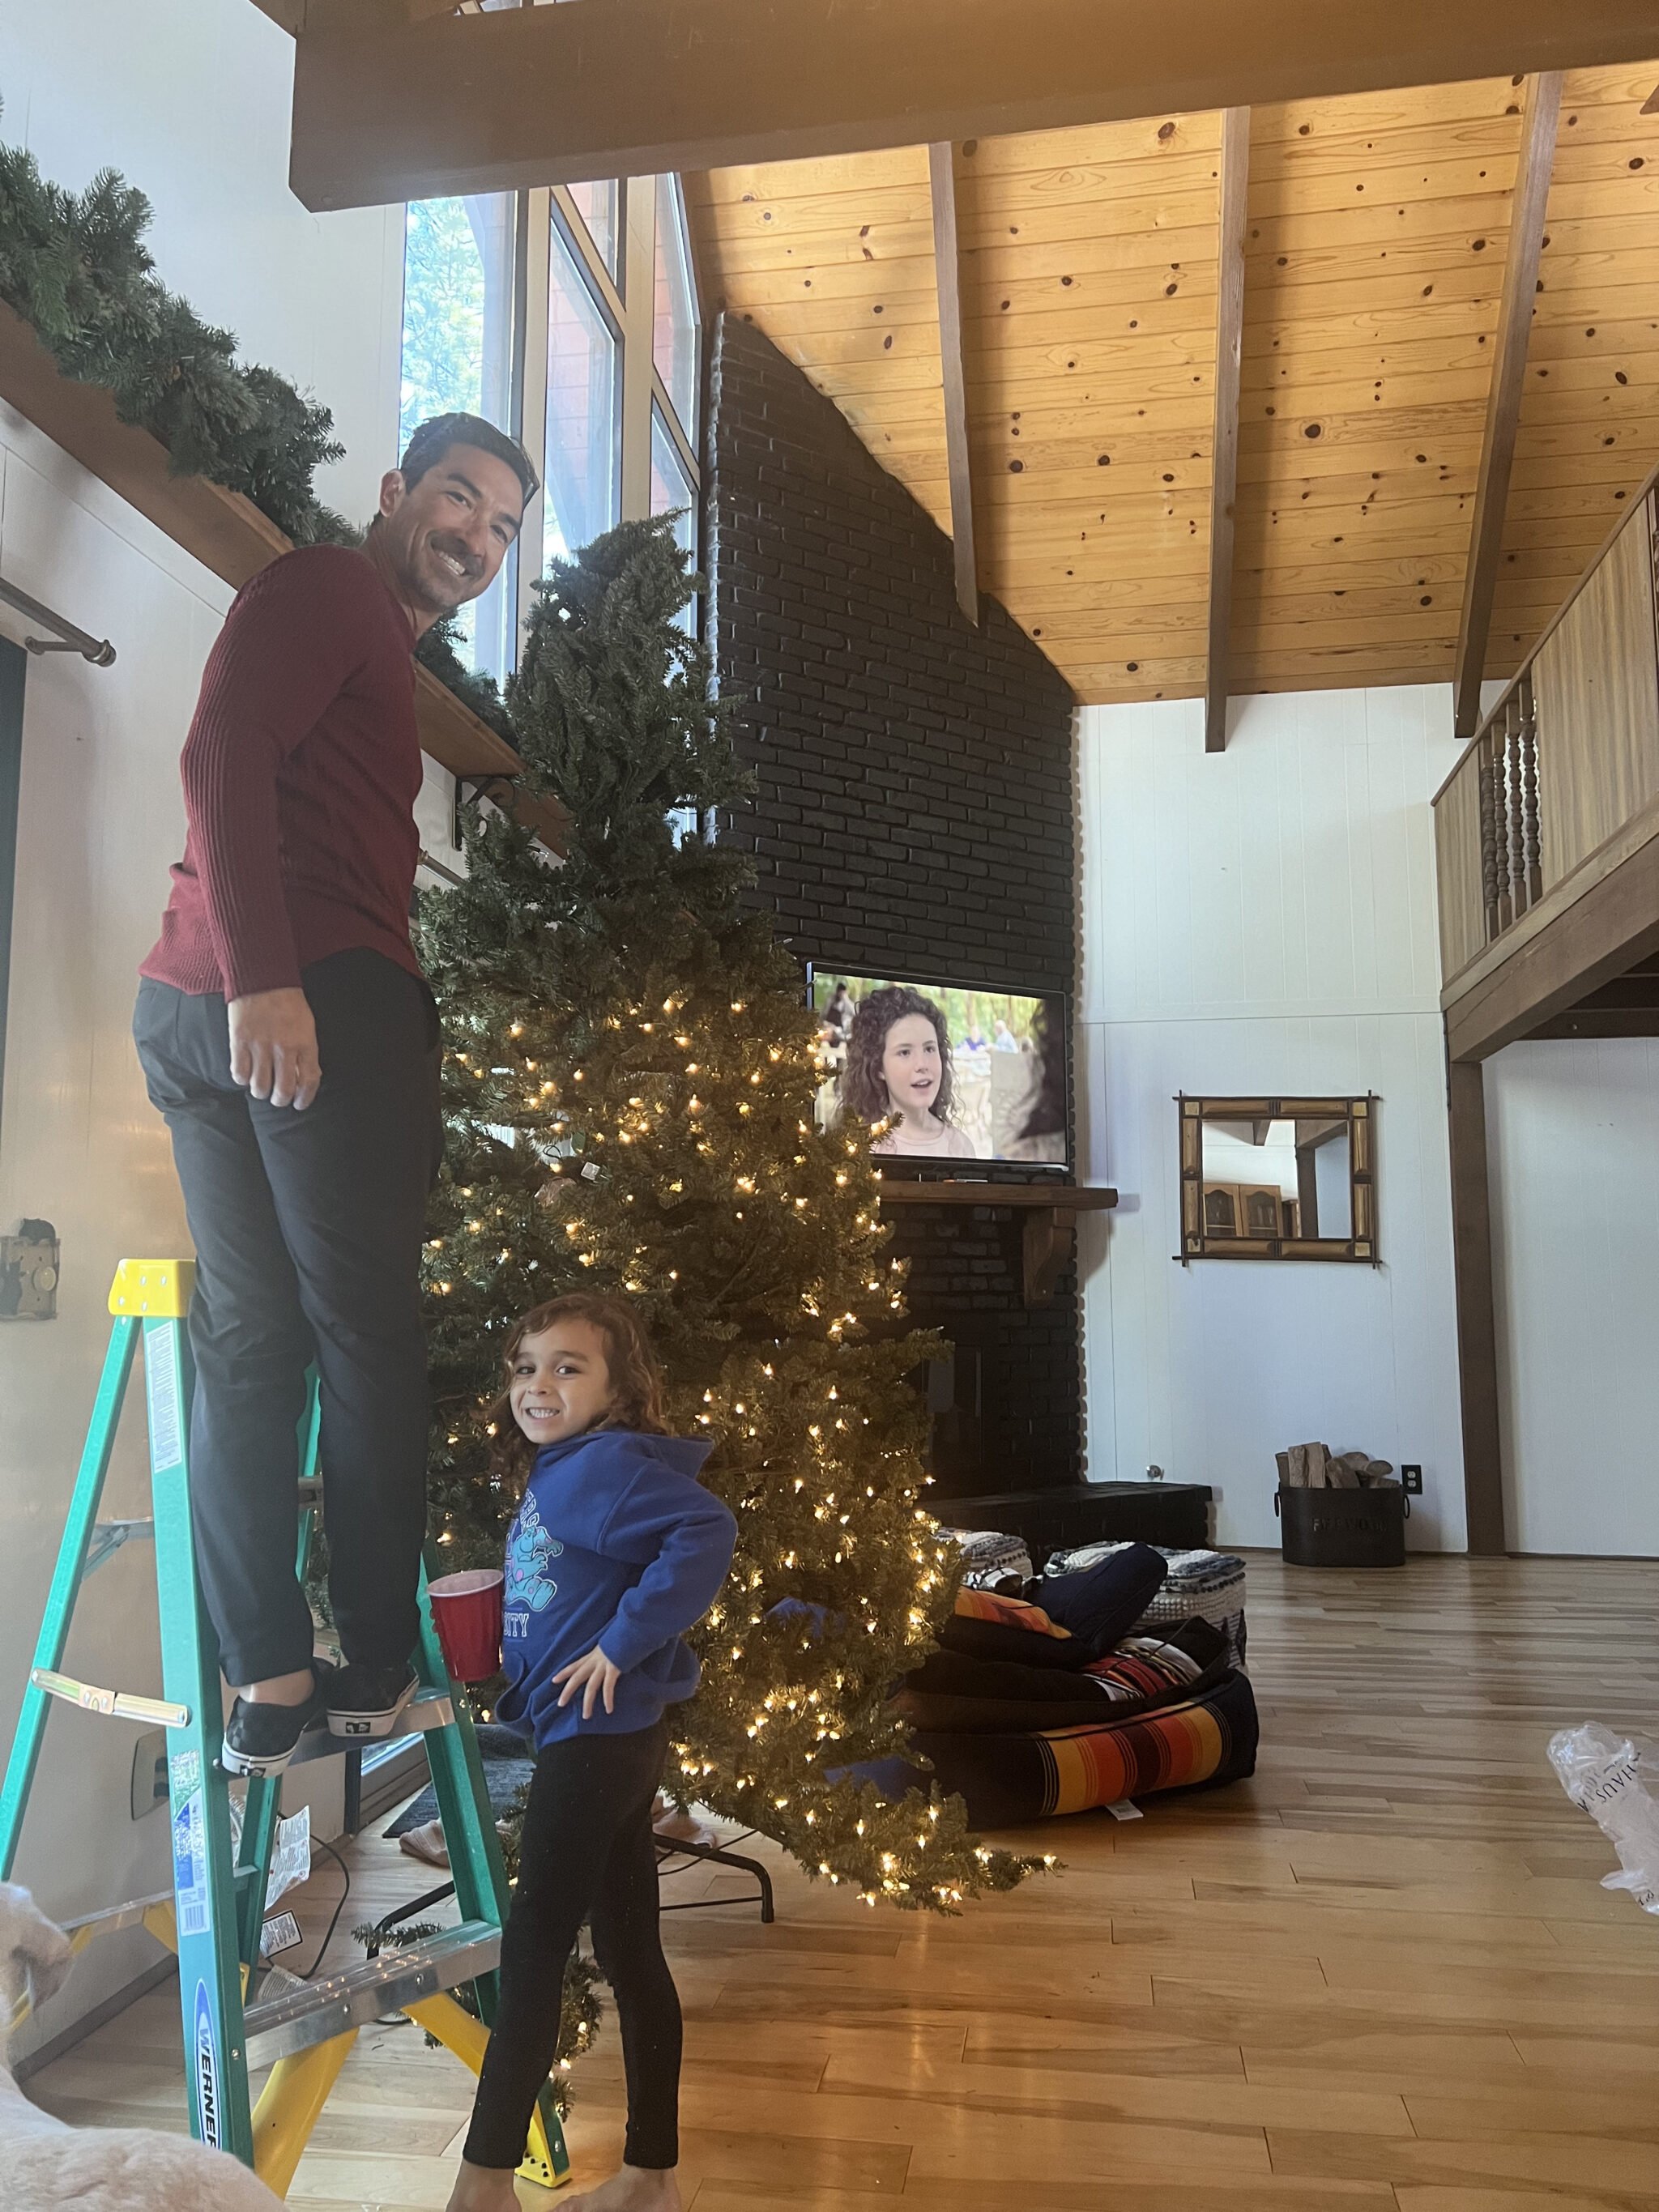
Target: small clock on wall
x=1277, y=1179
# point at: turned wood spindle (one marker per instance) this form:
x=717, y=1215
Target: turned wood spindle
x=1531, y=839
x=1487, y=770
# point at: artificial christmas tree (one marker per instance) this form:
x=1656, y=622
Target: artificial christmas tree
x=628, y=1092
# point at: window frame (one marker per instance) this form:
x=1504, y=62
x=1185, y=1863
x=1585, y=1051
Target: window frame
x=670, y=187
x=626, y=304
x=557, y=221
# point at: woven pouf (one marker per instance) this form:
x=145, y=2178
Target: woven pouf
x=994, y=1562
x=1200, y=1586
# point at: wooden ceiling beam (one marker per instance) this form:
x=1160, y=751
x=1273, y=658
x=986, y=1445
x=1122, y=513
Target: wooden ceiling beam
x=1528, y=210
x=604, y=87
x=1223, y=463
x=947, y=268
x=297, y=16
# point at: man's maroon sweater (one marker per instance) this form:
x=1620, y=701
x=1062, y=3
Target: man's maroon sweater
x=300, y=773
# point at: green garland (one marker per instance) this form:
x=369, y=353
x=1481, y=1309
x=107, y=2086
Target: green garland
x=75, y=266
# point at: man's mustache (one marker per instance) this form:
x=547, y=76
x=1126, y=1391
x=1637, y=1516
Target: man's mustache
x=470, y=564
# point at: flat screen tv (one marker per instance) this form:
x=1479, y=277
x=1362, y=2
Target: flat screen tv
x=942, y=1071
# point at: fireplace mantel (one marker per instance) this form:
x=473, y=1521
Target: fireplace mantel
x=1050, y=1210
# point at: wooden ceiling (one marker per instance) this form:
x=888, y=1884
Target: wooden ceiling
x=1375, y=249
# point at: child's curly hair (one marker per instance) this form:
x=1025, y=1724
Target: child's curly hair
x=863, y=1086
x=635, y=1374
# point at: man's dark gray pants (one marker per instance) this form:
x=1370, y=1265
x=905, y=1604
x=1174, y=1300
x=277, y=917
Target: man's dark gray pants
x=308, y=1229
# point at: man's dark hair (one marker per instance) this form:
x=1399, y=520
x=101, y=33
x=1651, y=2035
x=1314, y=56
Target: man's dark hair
x=432, y=441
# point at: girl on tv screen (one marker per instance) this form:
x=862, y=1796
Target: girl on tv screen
x=898, y=1070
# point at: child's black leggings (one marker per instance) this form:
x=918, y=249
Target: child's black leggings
x=586, y=1854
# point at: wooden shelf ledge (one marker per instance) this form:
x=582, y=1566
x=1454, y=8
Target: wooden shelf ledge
x=227, y=534
x=1073, y=1197
x=1049, y=1231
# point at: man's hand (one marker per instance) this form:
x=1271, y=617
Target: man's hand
x=595, y=1677
x=273, y=1046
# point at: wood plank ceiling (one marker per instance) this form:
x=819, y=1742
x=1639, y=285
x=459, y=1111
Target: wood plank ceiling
x=1375, y=253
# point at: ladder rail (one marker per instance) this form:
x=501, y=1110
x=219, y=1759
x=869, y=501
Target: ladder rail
x=66, y=1579
x=204, y=1883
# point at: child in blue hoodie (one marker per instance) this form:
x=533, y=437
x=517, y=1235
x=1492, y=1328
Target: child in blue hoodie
x=616, y=1552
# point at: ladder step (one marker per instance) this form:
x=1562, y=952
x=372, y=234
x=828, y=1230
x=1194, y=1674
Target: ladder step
x=113, y=1704
x=113, y=1916
x=297, y=2020
x=431, y=1710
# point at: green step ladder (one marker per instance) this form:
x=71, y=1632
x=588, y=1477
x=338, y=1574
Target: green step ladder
x=216, y=1914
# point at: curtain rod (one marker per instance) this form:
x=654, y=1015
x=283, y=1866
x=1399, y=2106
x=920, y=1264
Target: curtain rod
x=439, y=869
x=98, y=650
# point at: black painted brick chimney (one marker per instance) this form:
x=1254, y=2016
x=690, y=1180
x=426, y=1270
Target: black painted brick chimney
x=915, y=818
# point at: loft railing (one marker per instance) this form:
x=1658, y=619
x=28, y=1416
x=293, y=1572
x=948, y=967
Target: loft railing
x=1565, y=768
x=1511, y=870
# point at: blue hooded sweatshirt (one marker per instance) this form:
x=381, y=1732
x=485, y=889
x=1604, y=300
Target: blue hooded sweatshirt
x=616, y=1545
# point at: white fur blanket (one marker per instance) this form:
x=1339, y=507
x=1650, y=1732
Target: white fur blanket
x=49, y=2167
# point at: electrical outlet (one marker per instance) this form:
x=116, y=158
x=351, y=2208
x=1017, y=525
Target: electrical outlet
x=1412, y=1477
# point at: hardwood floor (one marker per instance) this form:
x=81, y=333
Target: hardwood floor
x=1382, y=1974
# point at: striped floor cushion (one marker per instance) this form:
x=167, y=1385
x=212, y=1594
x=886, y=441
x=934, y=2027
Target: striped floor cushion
x=1008, y=1780
x=1008, y=1612
x=950, y=1695
x=1200, y=1586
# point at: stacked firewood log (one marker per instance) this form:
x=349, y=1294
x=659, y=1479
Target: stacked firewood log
x=1313, y=1467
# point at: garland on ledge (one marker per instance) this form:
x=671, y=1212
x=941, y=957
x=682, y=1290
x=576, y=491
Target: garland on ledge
x=75, y=266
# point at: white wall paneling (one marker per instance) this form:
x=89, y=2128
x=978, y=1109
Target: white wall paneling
x=1573, y=1149
x=1263, y=920
x=192, y=104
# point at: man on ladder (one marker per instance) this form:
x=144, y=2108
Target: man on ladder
x=287, y=1036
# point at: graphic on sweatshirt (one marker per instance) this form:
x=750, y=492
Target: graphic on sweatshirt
x=529, y=1549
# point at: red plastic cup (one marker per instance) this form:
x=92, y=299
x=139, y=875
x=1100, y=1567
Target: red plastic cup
x=466, y=1612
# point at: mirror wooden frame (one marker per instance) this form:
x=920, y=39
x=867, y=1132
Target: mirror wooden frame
x=1360, y=1115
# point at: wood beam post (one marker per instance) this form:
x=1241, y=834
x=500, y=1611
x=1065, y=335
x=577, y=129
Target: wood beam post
x=527, y=96
x=1528, y=207
x=1477, y=1328
x=947, y=269
x=1224, y=467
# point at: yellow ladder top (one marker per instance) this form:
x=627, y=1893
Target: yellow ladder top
x=158, y=1288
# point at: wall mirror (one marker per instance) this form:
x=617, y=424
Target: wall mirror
x=1277, y=1179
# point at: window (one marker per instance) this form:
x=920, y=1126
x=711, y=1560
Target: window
x=674, y=337
x=583, y=363
x=672, y=491
x=599, y=207
x=457, y=358
x=568, y=315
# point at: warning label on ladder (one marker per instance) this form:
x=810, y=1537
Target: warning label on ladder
x=190, y=1856
x=162, y=1392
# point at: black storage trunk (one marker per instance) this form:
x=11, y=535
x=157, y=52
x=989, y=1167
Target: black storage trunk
x=1343, y=1527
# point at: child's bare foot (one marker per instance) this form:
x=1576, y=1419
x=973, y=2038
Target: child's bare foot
x=483, y=2189
x=635, y=2188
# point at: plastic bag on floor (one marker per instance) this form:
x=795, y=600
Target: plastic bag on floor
x=1616, y=1779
